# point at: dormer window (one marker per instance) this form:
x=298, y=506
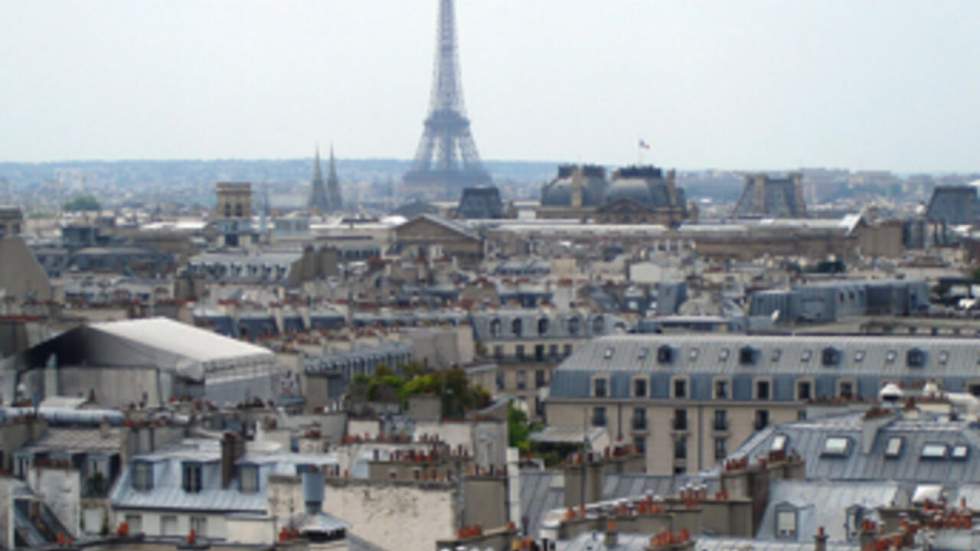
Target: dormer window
x=747, y=355
x=934, y=451
x=192, y=477
x=495, y=325
x=574, y=326
x=248, y=476
x=598, y=325
x=786, y=528
x=543, y=324
x=599, y=387
x=517, y=327
x=665, y=355
x=142, y=476
x=915, y=357
x=830, y=357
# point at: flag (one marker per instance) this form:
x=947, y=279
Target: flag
x=643, y=144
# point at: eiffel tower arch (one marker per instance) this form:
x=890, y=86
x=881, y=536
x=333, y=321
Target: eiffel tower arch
x=447, y=159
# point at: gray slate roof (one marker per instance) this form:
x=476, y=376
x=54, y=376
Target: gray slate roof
x=824, y=503
x=564, y=324
x=808, y=438
x=167, y=493
x=726, y=544
x=867, y=361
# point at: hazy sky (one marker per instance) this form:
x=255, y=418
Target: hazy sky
x=729, y=84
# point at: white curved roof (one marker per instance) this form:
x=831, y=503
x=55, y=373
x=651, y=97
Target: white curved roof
x=180, y=339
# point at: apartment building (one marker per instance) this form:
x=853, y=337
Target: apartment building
x=688, y=401
x=528, y=344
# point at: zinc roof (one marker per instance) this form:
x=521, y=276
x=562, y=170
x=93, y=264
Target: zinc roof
x=784, y=354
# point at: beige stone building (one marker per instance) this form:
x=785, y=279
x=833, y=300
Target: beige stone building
x=527, y=345
x=688, y=401
x=430, y=236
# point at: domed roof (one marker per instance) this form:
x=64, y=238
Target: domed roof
x=631, y=189
x=557, y=193
x=646, y=192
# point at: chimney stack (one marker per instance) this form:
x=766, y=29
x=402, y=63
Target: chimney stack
x=820, y=540
x=314, y=486
x=612, y=534
x=232, y=449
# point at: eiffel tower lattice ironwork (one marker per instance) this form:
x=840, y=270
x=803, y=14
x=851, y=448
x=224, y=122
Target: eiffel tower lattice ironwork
x=447, y=159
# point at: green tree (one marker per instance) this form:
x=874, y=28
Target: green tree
x=83, y=203
x=519, y=429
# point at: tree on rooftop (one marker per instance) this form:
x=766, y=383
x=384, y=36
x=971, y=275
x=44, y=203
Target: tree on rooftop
x=519, y=429
x=83, y=203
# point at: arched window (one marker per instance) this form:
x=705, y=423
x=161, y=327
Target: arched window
x=495, y=327
x=598, y=325
x=574, y=326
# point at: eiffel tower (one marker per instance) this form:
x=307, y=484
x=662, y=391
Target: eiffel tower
x=447, y=160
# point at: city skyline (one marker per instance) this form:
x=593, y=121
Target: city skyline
x=746, y=86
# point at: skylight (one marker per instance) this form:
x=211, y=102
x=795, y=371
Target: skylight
x=807, y=354
x=894, y=447
x=960, y=452
x=778, y=443
x=934, y=451
x=836, y=446
x=609, y=352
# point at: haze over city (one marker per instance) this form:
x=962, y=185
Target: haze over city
x=737, y=85
x=462, y=275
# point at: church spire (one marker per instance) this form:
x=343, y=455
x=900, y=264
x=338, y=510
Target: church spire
x=318, y=194
x=333, y=184
x=317, y=172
